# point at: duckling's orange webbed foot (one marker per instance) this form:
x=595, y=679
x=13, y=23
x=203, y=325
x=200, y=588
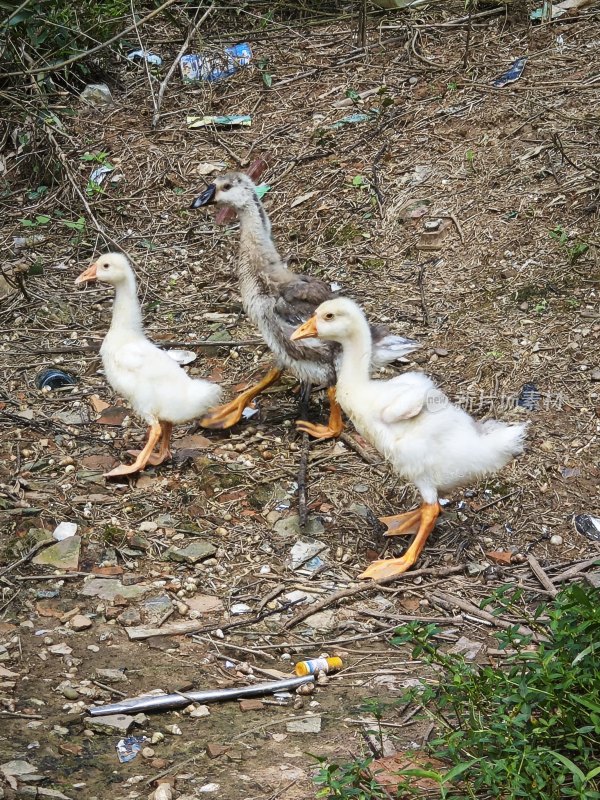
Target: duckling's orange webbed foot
x=230, y=414
x=402, y=524
x=164, y=453
x=334, y=426
x=388, y=567
x=143, y=459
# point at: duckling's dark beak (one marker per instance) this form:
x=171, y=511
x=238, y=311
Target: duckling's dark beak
x=308, y=330
x=206, y=198
x=88, y=275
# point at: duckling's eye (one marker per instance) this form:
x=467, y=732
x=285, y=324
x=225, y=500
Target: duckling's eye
x=329, y=316
x=226, y=187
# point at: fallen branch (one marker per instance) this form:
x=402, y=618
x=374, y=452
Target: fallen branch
x=174, y=65
x=369, y=586
x=27, y=556
x=450, y=600
x=540, y=574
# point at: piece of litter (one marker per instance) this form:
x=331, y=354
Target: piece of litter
x=351, y=119
x=240, y=608
x=303, y=555
x=226, y=121
x=216, y=66
x=127, y=749
x=64, y=530
x=145, y=55
x=210, y=787
x=588, y=526
x=99, y=174
x=182, y=357
x=529, y=397
x=511, y=75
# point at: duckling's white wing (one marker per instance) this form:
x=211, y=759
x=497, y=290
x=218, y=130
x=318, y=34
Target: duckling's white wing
x=405, y=396
x=143, y=359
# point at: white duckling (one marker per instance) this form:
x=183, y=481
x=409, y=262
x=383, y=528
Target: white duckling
x=277, y=300
x=427, y=440
x=157, y=388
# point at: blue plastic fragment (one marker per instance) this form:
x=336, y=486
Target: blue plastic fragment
x=529, y=397
x=511, y=75
x=215, y=67
x=127, y=749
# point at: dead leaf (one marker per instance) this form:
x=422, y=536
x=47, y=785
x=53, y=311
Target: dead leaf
x=113, y=415
x=302, y=199
x=98, y=462
x=194, y=441
x=410, y=604
x=500, y=556
x=97, y=404
x=114, y=569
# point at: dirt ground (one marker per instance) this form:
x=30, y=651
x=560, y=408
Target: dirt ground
x=509, y=297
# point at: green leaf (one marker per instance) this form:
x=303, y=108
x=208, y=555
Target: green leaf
x=42, y=219
x=267, y=79
x=569, y=765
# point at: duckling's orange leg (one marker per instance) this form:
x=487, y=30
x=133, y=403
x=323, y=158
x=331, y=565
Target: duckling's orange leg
x=388, y=567
x=334, y=426
x=228, y=415
x=164, y=452
x=144, y=457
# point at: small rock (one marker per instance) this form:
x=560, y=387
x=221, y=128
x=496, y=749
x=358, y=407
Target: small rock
x=131, y=616
x=290, y=526
x=70, y=693
x=556, y=539
x=147, y=752
x=194, y=552
x=214, y=750
x=154, y=610
x=62, y=555
x=200, y=711
x=157, y=737
x=110, y=588
x=251, y=704
x=205, y=604
x=97, y=95
x=22, y=770
x=595, y=375
x=175, y=730
x=441, y=352
x=80, y=623
x=159, y=763
x=60, y=649
x=147, y=526
x=131, y=578
x=107, y=675
x=110, y=723
x=322, y=621
x=306, y=725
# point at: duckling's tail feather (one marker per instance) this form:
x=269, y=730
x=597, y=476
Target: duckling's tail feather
x=391, y=347
x=203, y=395
x=502, y=442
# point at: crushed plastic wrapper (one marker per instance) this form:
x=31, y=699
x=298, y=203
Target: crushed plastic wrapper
x=127, y=749
x=227, y=121
x=182, y=356
x=215, y=66
x=99, y=174
x=588, y=526
x=511, y=75
x=145, y=55
x=529, y=398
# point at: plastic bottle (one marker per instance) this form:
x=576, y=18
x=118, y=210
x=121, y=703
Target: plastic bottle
x=325, y=665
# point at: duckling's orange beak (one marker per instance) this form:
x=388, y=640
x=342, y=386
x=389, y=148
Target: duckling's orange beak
x=308, y=330
x=88, y=275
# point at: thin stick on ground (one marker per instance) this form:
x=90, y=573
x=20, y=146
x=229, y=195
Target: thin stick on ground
x=368, y=586
x=163, y=86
